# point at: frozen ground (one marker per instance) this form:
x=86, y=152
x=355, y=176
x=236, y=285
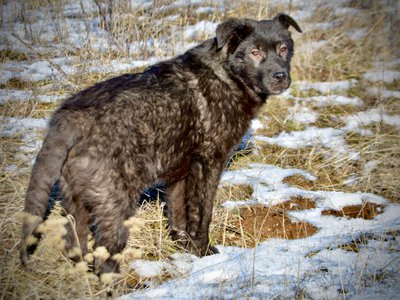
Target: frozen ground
x=317, y=267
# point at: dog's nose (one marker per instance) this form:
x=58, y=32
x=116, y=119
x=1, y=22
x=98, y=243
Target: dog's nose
x=279, y=76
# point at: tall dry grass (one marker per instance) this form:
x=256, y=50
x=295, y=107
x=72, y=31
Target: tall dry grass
x=53, y=276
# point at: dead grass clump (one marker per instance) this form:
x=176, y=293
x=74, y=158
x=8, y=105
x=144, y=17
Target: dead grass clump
x=296, y=92
x=27, y=109
x=383, y=148
x=290, y=158
x=49, y=272
x=57, y=277
x=8, y=150
x=394, y=85
x=327, y=121
x=366, y=211
x=15, y=83
x=7, y=54
x=299, y=181
x=338, y=110
x=354, y=245
x=329, y=116
x=331, y=172
x=274, y=115
x=156, y=242
x=235, y=192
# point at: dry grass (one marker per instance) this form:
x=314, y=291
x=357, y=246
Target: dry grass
x=53, y=276
x=27, y=109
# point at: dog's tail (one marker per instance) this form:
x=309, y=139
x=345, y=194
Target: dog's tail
x=62, y=135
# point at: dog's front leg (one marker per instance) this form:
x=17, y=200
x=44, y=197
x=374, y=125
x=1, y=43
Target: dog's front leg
x=201, y=186
x=177, y=216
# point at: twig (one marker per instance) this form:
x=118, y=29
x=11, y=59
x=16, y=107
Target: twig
x=38, y=54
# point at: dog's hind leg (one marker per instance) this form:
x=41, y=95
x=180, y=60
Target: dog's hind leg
x=77, y=227
x=115, y=207
x=201, y=187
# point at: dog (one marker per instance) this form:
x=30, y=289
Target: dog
x=176, y=122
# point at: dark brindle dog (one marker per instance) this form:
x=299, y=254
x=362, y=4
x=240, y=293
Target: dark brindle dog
x=176, y=122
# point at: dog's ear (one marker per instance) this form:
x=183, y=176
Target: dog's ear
x=232, y=32
x=287, y=21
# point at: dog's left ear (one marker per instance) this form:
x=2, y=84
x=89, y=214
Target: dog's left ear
x=232, y=32
x=287, y=21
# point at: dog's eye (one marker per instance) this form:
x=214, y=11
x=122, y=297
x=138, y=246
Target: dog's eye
x=283, y=49
x=256, y=52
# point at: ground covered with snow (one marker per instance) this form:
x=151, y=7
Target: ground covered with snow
x=335, y=114
x=322, y=266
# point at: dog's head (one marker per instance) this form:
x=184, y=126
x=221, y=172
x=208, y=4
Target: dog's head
x=259, y=52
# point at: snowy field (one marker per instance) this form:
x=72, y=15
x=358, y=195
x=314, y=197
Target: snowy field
x=350, y=256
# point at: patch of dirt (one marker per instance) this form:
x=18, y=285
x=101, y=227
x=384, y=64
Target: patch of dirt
x=296, y=203
x=366, y=211
x=299, y=181
x=251, y=225
x=272, y=222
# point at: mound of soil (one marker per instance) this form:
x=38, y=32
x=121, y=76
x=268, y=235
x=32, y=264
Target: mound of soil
x=273, y=222
x=366, y=211
x=253, y=224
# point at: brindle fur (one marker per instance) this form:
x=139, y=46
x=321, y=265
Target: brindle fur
x=176, y=122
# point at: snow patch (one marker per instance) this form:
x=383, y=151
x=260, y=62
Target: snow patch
x=28, y=130
x=303, y=115
x=12, y=126
x=387, y=76
x=256, y=124
x=357, y=121
x=346, y=11
x=357, y=34
x=323, y=101
x=384, y=65
x=370, y=166
x=205, y=10
x=301, y=15
x=326, y=87
x=148, y=268
x=75, y=9
x=272, y=175
x=311, y=47
x=320, y=26
x=199, y=29
x=384, y=93
x=330, y=138
x=8, y=95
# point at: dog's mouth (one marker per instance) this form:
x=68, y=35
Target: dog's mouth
x=264, y=94
x=278, y=91
x=271, y=90
x=278, y=88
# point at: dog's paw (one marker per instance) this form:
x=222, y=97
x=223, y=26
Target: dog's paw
x=28, y=247
x=211, y=250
